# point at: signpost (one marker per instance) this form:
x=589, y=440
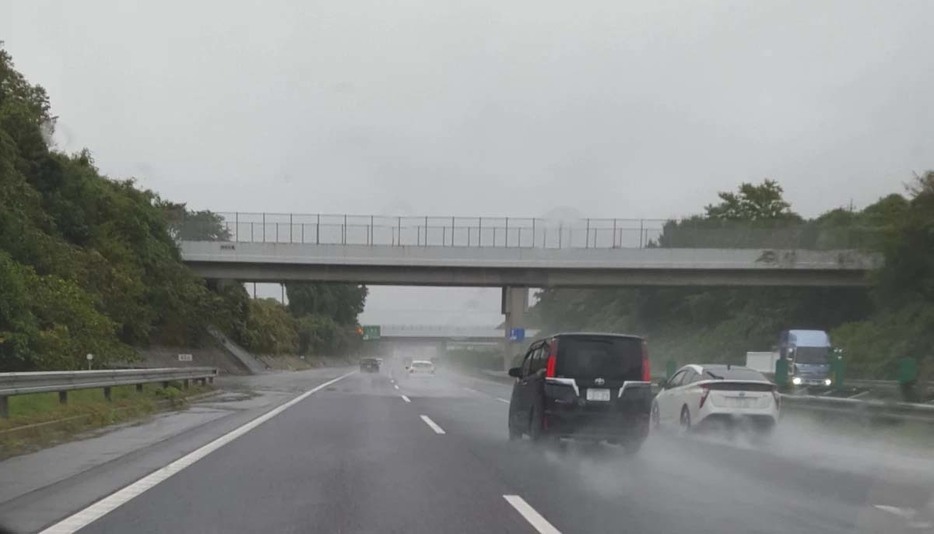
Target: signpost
x=515, y=334
x=184, y=357
x=90, y=358
x=371, y=333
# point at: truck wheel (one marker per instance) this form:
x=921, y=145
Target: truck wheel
x=685, y=420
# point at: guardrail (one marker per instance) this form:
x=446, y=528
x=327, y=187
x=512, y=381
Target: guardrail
x=12, y=384
x=894, y=411
x=511, y=232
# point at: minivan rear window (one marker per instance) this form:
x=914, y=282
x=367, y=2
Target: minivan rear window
x=607, y=357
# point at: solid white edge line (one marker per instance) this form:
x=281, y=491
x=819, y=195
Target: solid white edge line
x=106, y=505
x=471, y=390
x=434, y=426
x=500, y=399
x=534, y=518
x=406, y=399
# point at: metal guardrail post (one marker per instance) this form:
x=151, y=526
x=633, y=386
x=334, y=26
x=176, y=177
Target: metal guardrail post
x=63, y=397
x=264, y=227
x=587, y=236
x=370, y=237
x=290, y=228
x=641, y=227
x=480, y=232
x=560, y=233
x=237, y=226
x=533, y=234
x=452, y=231
x=318, y=230
x=506, y=241
x=4, y=406
x=344, y=231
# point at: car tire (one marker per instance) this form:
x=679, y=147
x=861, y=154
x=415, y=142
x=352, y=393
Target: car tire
x=536, y=430
x=685, y=420
x=514, y=433
x=632, y=446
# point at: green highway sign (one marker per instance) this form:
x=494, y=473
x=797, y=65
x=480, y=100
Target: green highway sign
x=371, y=333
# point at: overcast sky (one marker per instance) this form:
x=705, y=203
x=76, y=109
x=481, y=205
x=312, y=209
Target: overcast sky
x=607, y=108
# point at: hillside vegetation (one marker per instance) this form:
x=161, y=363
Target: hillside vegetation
x=90, y=264
x=892, y=319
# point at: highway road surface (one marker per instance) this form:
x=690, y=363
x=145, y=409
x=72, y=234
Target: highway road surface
x=385, y=453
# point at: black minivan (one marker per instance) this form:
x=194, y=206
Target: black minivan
x=584, y=386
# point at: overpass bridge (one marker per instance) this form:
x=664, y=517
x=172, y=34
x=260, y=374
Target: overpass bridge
x=517, y=254
x=499, y=252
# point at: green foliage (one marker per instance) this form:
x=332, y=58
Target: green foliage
x=270, y=329
x=87, y=264
x=753, y=203
x=188, y=225
x=341, y=302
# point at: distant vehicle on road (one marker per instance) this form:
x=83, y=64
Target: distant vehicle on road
x=369, y=365
x=808, y=353
x=586, y=386
x=421, y=367
x=717, y=396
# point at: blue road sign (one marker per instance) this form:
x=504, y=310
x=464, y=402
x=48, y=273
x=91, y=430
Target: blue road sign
x=515, y=334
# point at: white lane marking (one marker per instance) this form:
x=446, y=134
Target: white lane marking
x=434, y=426
x=406, y=399
x=471, y=390
x=534, y=518
x=106, y=505
x=500, y=399
x=395, y=386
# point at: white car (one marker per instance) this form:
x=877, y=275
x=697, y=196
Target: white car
x=421, y=367
x=716, y=395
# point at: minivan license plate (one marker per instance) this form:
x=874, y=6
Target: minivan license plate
x=598, y=394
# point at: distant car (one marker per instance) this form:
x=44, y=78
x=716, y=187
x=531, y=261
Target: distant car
x=421, y=367
x=369, y=365
x=717, y=396
x=586, y=386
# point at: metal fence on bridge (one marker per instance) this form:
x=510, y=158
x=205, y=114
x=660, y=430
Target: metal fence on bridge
x=510, y=232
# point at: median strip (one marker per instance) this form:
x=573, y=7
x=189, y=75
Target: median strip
x=434, y=426
x=534, y=518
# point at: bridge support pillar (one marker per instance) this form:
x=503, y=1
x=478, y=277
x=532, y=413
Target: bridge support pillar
x=514, y=305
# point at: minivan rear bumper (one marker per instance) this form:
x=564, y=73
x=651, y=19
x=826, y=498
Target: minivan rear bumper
x=623, y=426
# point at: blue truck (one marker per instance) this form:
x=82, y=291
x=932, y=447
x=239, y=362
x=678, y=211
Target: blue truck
x=807, y=352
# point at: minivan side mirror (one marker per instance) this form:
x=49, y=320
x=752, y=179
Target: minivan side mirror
x=515, y=372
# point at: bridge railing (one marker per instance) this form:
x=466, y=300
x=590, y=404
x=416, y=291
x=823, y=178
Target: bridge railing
x=510, y=232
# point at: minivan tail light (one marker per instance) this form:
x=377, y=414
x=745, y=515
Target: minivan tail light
x=646, y=369
x=552, y=362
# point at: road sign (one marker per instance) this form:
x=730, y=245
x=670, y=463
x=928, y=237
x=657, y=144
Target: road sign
x=516, y=334
x=371, y=332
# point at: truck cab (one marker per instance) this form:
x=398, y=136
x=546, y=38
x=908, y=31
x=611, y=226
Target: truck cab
x=808, y=353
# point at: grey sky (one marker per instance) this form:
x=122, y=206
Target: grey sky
x=610, y=109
